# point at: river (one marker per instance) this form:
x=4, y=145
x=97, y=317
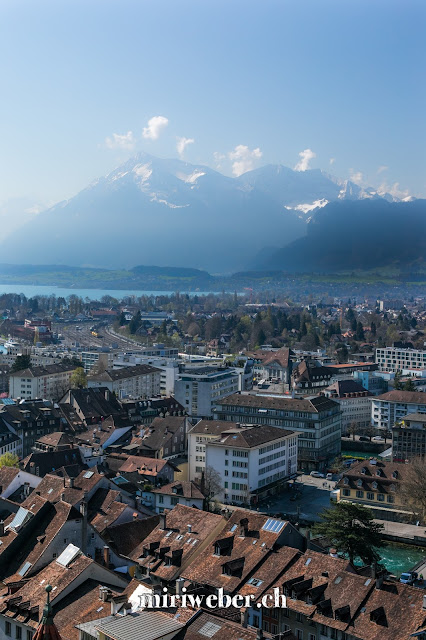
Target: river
x=30, y=290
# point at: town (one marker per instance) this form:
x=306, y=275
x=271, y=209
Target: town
x=209, y=445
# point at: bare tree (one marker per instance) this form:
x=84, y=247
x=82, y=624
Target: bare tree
x=412, y=489
x=212, y=482
x=353, y=429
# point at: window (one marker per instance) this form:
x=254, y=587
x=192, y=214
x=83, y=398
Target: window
x=18, y=632
x=8, y=628
x=174, y=501
x=312, y=636
x=360, y=494
x=29, y=634
x=346, y=492
x=299, y=617
x=299, y=634
x=161, y=499
x=381, y=497
x=324, y=631
x=370, y=495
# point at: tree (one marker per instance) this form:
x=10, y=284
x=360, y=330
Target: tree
x=78, y=378
x=135, y=323
x=412, y=488
x=352, y=530
x=9, y=460
x=353, y=429
x=409, y=386
x=211, y=482
x=21, y=362
x=397, y=381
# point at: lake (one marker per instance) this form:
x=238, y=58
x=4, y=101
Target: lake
x=30, y=290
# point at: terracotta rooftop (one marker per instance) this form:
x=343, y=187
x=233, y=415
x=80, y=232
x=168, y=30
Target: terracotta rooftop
x=180, y=488
x=313, y=405
x=405, y=397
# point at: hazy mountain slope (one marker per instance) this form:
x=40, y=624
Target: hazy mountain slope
x=355, y=235
x=168, y=212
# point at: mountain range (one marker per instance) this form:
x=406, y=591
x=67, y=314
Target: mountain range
x=172, y=213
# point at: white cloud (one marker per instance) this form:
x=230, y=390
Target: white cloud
x=305, y=158
x=244, y=159
x=117, y=141
x=154, y=128
x=182, y=143
x=356, y=177
x=382, y=168
x=332, y=160
x=395, y=191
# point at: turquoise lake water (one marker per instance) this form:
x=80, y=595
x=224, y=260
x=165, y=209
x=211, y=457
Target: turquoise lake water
x=93, y=294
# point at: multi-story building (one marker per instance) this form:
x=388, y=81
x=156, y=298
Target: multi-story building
x=393, y=406
x=140, y=381
x=409, y=438
x=272, y=364
x=198, y=437
x=49, y=382
x=354, y=400
x=30, y=421
x=375, y=484
x=253, y=461
x=397, y=359
x=179, y=492
x=199, y=389
x=317, y=419
x=373, y=382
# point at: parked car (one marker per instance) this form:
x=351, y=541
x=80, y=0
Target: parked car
x=409, y=577
x=378, y=439
x=317, y=474
x=329, y=476
x=364, y=439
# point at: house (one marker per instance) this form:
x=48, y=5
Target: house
x=181, y=537
x=163, y=438
x=310, y=377
x=238, y=550
x=139, y=381
x=169, y=495
x=23, y=602
x=272, y=364
x=49, y=382
x=31, y=420
x=16, y=485
x=252, y=461
x=317, y=419
x=56, y=441
x=395, y=359
x=141, y=470
x=375, y=484
x=91, y=405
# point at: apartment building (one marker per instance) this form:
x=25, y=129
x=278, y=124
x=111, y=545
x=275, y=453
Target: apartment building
x=141, y=381
x=393, y=406
x=409, y=438
x=198, y=437
x=318, y=421
x=375, y=484
x=395, y=359
x=199, y=389
x=354, y=400
x=253, y=461
x=49, y=382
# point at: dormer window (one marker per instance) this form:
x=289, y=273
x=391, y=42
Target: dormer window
x=395, y=474
x=392, y=487
x=363, y=471
x=359, y=483
x=378, y=472
x=374, y=485
x=346, y=481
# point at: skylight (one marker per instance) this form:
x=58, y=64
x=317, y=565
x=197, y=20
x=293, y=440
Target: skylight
x=273, y=525
x=209, y=629
x=68, y=555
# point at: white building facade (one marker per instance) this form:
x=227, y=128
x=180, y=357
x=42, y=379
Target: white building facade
x=395, y=359
x=392, y=407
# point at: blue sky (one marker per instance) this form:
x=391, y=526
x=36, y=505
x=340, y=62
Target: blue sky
x=251, y=82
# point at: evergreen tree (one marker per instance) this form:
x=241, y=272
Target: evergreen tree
x=21, y=362
x=352, y=530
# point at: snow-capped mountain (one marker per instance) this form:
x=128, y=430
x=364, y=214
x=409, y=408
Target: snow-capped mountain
x=172, y=213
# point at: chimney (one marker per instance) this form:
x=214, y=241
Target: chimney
x=379, y=581
x=243, y=527
x=83, y=511
x=179, y=586
x=1, y=528
x=106, y=556
x=243, y=616
x=162, y=522
x=135, y=515
x=70, y=482
x=189, y=527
